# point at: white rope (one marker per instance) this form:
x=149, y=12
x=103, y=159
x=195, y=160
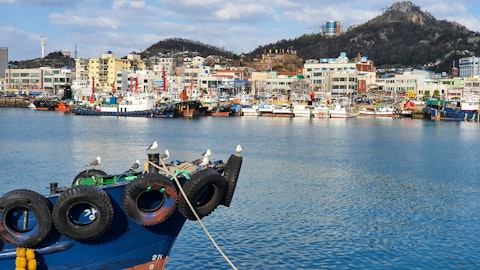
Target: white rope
x=194, y=212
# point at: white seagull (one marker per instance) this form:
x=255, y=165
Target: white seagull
x=95, y=162
x=205, y=162
x=207, y=153
x=238, y=150
x=135, y=165
x=153, y=146
x=165, y=155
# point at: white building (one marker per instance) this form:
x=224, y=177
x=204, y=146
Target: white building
x=331, y=76
x=469, y=67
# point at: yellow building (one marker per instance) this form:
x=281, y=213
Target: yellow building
x=104, y=70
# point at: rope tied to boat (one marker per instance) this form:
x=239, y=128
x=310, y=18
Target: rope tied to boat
x=181, y=173
x=165, y=168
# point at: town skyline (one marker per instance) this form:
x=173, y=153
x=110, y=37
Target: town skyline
x=87, y=29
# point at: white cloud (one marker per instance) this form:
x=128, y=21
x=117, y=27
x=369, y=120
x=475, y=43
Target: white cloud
x=128, y=4
x=93, y=23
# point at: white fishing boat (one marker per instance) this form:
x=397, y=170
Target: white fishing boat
x=283, y=110
x=251, y=111
x=384, y=111
x=130, y=102
x=266, y=109
x=470, y=104
x=301, y=110
x=341, y=111
x=320, y=111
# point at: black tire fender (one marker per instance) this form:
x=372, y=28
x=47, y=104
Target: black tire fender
x=83, y=213
x=25, y=218
x=205, y=190
x=231, y=173
x=150, y=199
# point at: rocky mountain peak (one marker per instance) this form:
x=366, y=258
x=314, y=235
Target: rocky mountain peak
x=406, y=11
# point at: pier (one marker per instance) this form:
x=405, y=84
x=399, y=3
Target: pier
x=16, y=102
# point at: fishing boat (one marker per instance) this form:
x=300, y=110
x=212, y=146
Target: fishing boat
x=130, y=102
x=450, y=111
x=62, y=107
x=45, y=104
x=251, y=110
x=302, y=110
x=102, y=221
x=341, y=111
x=382, y=111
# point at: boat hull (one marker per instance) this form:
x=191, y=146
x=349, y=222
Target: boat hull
x=138, y=244
x=125, y=221
x=451, y=114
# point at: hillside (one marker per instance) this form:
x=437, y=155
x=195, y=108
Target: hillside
x=402, y=36
x=179, y=46
x=54, y=60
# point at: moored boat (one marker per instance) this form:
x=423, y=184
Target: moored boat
x=301, y=110
x=283, y=110
x=45, y=104
x=252, y=110
x=340, y=111
x=128, y=220
x=62, y=107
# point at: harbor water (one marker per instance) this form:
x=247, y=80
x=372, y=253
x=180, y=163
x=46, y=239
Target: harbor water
x=365, y=193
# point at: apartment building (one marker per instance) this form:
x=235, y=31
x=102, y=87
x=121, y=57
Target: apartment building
x=38, y=80
x=102, y=72
x=332, y=77
x=469, y=66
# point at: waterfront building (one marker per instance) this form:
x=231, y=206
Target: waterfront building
x=55, y=80
x=469, y=66
x=406, y=84
x=45, y=80
x=280, y=85
x=329, y=77
x=3, y=61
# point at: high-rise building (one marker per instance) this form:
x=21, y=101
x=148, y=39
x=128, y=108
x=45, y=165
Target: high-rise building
x=331, y=28
x=3, y=61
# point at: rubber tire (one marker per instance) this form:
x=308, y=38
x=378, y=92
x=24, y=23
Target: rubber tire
x=138, y=191
x=33, y=202
x=231, y=173
x=86, y=174
x=205, y=190
x=83, y=197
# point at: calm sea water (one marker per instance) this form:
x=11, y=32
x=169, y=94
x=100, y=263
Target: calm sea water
x=312, y=194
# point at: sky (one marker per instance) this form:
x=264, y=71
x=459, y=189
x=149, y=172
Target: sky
x=89, y=28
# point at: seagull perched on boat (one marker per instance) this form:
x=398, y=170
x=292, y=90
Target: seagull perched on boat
x=95, y=162
x=205, y=161
x=165, y=155
x=238, y=150
x=135, y=165
x=153, y=146
x=207, y=153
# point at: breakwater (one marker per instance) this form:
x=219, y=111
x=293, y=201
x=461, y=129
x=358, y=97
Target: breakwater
x=16, y=102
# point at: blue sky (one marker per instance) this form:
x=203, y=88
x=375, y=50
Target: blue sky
x=123, y=26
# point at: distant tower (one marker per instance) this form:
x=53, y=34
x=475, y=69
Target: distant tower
x=42, y=42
